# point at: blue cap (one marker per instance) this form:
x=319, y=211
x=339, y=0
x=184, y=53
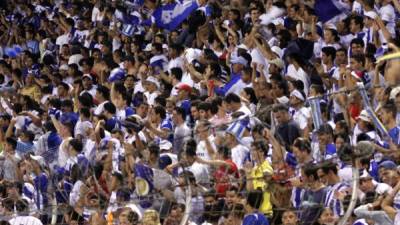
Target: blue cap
x=389, y=165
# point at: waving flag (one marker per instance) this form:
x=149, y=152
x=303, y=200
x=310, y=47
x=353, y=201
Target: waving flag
x=170, y=16
x=328, y=9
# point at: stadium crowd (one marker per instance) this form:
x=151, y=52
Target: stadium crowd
x=200, y=112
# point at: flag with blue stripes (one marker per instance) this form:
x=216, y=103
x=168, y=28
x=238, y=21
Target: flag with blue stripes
x=170, y=16
x=328, y=9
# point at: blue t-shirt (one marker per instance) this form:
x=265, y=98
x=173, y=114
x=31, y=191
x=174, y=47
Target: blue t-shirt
x=394, y=134
x=255, y=219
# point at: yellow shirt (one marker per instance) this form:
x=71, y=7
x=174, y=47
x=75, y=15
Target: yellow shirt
x=33, y=92
x=258, y=172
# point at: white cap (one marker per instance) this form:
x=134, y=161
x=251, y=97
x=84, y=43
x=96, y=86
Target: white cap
x=283, y=100
x=395, y=91
x=277, y=51
x=165, y=145
x=192, y=54
x=38, y=159
x=63, y=67
x=243, y=46
x=88, y=76
x=370, y=14
x=277, y=62
x=153, y=80
x=296, y=93
x=364, y=116
x=147, y=48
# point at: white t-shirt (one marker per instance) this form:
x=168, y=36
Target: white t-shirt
x=177, y=62
x=151, y=97
x=298, y=75
x=238, y=87
x=201, y=150
x=200, y=172
x=28, y=220
x=239, y=154
x=100, y=108
x=62, y=40
x=301, y=117
x=245, y=110
x=82, y=127
x=75, y=193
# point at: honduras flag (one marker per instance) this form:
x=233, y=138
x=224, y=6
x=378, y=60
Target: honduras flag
x=159, y=61
x=170, y=16
x=328, y=9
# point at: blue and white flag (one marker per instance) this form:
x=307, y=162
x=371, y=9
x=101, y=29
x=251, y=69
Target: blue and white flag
x=328, y=9
x=159, y=61
x=170, y=16
x=316, y=111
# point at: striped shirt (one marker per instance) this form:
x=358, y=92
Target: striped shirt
x=332, y=202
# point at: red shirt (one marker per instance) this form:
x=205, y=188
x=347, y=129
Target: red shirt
x=222, y=177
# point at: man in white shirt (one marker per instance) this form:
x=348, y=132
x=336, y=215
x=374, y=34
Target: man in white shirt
x=23, y=214
x=239, y=152
x=87, y=83
x=182, y=132
x=175, y=58
x=234, y=104
x=205, y=147
x=299, y=113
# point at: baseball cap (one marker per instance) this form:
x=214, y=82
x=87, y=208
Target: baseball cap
x=277, y=62
x=39, y=159
x=153, y=80
x=87, y=76
x=277, y=50
x=364, y=116
x=389, y=165
x=395, y=91
x=283, y=100
x=165, y=145
x=184, y=87
x=297, y=94
x=370, y=14
x=239, y=60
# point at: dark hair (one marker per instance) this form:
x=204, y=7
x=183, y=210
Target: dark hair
x=215, y=102
x=390, y=108
x=318, y=88
x=360, y=58
x=358, y=20
x=357, y=41
x=85, y=99
x=253, y=97
x=158, y=100
x=76, y=145
x=160, y=111
x=85, y=112
x=29, y=134
x=12, y=141
x=224, y=151
x=254, y=198
x=329, y=51
x=110, y=107
x=177, y=73
x=311, y=170
x=232, y=98
x=280, y=108
x=343, y=136
x=154, y=148
x=329, y=166
x=302, y=144
x=206, y=106
x=104, y=91
x=261, y=145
